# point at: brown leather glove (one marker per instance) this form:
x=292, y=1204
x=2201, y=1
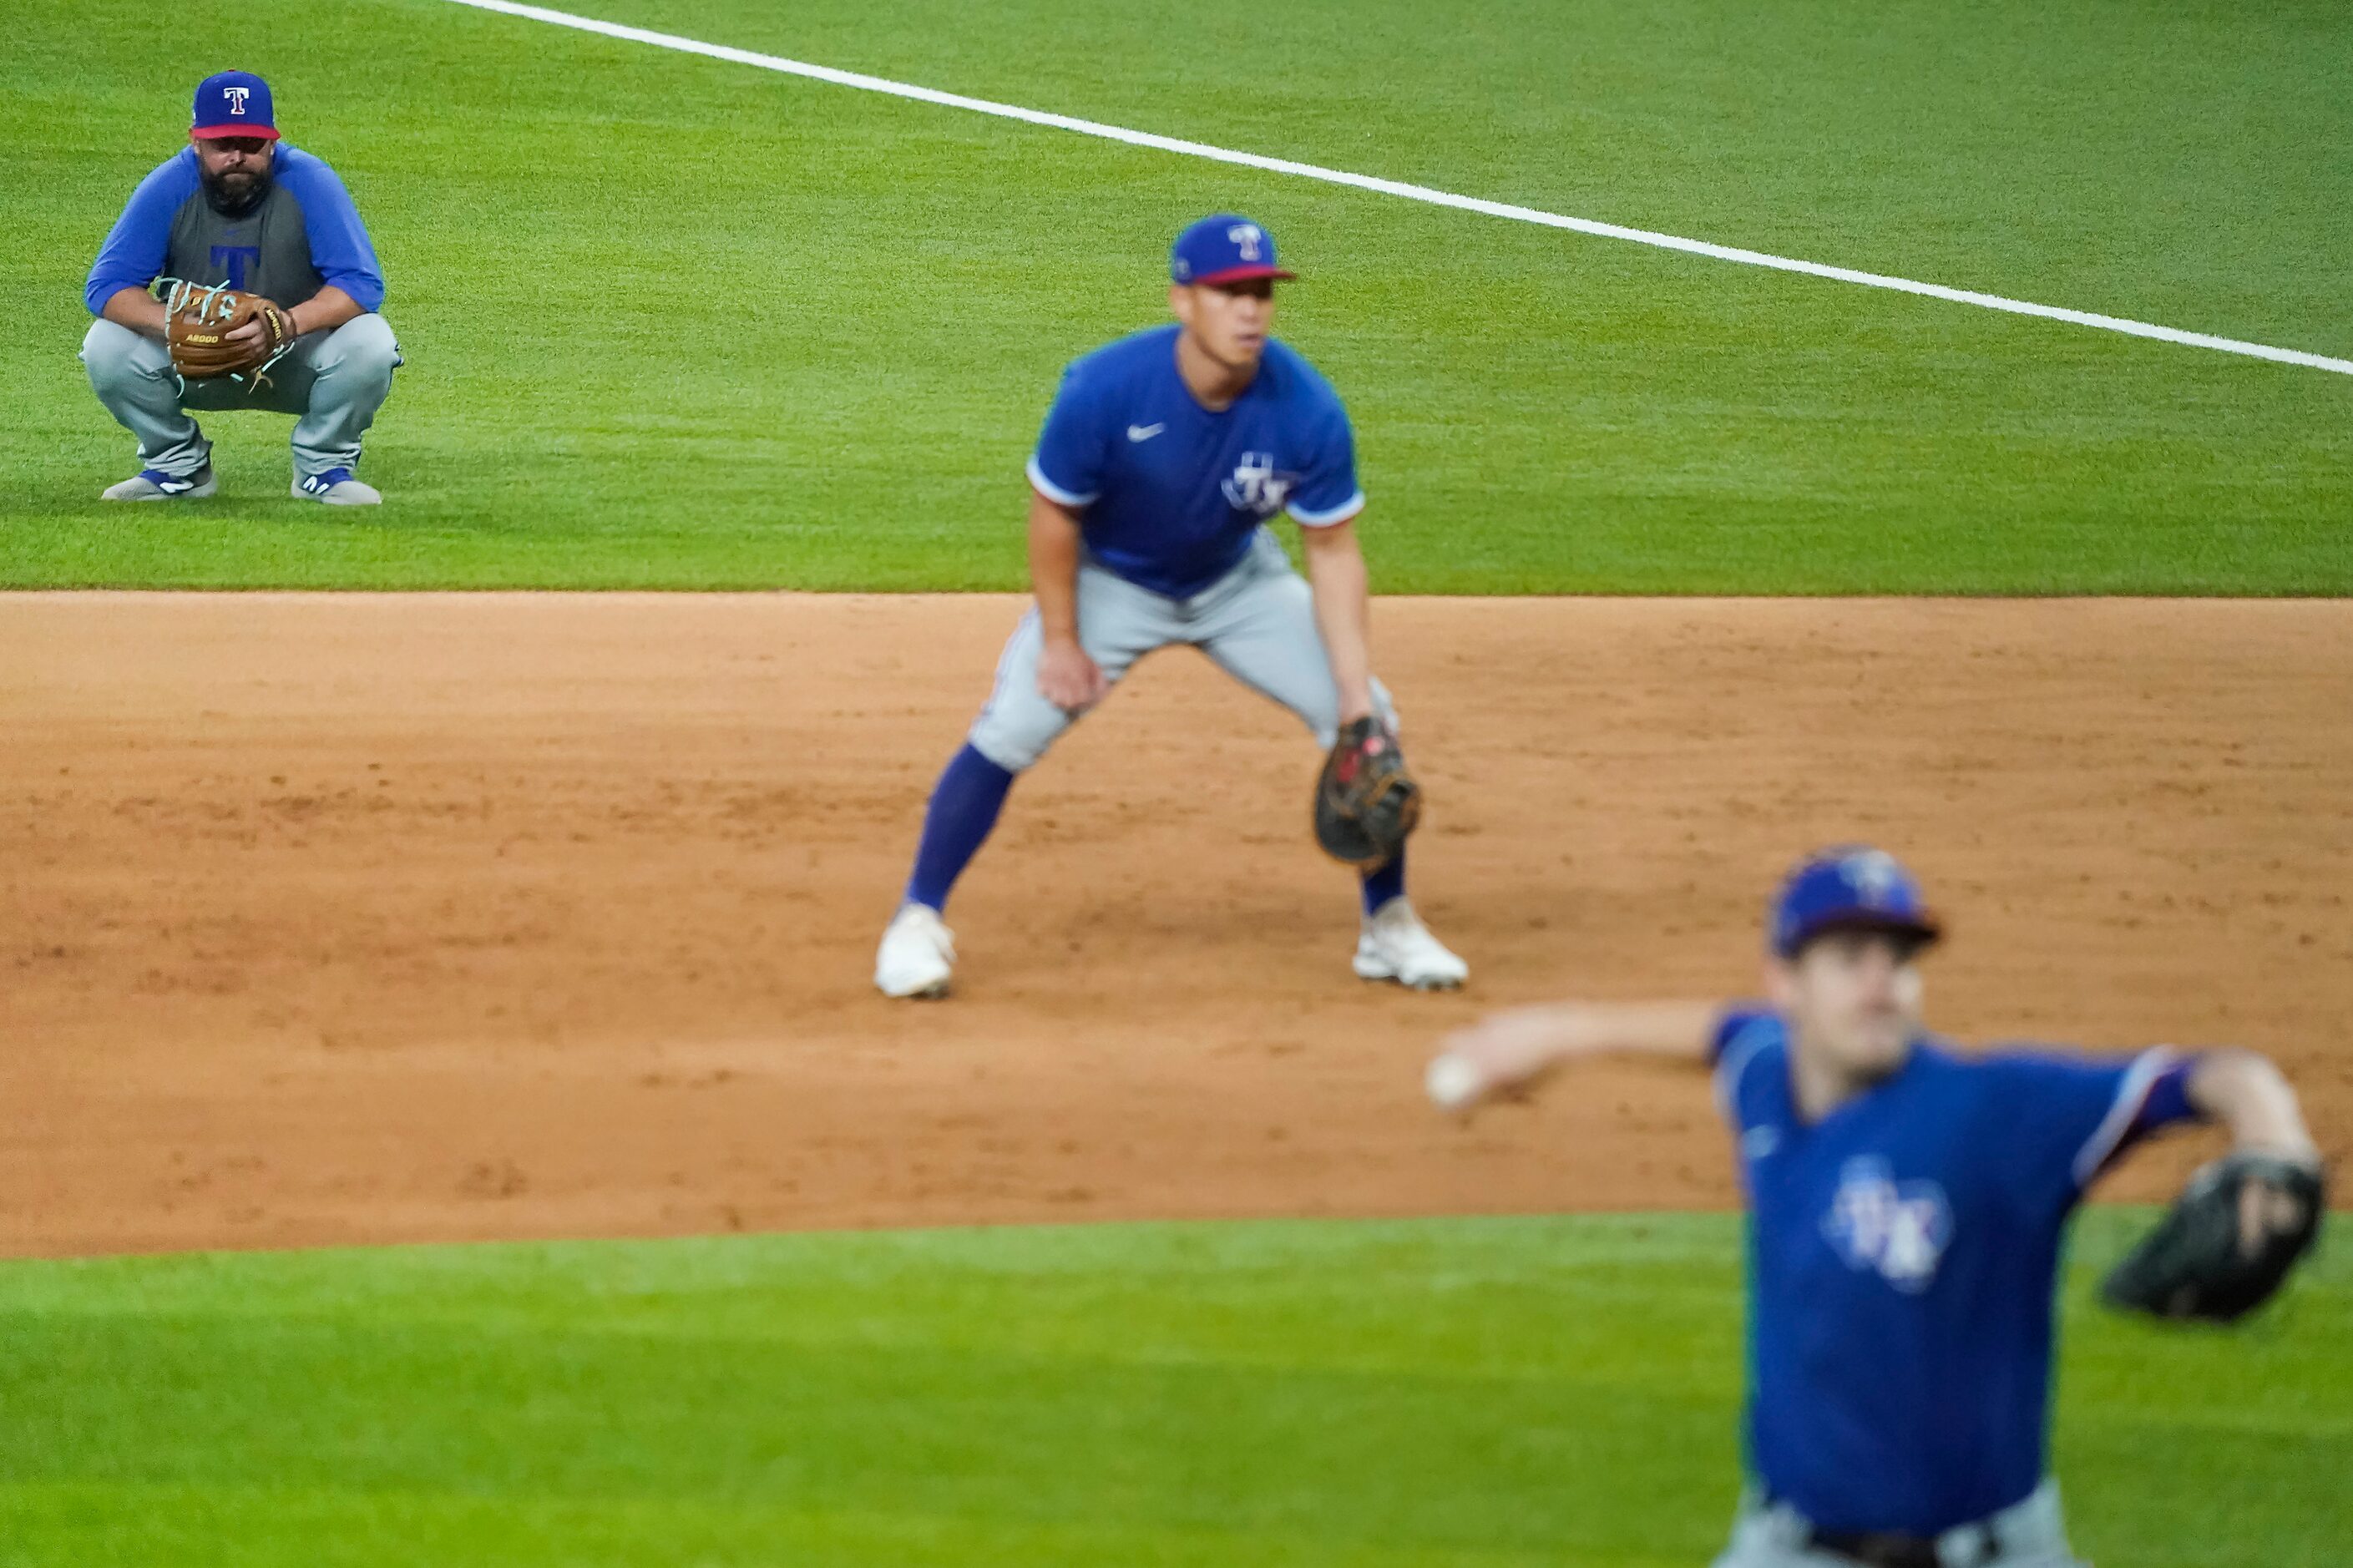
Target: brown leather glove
x=1365, y=802
x=198, y=323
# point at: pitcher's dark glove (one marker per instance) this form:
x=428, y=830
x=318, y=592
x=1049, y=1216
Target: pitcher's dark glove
x=2227, y=1244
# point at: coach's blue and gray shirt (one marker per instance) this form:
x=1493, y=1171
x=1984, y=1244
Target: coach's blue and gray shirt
x=304, y=236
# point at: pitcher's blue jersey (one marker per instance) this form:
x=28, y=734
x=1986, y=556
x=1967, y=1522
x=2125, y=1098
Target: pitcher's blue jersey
x=1172, y=494
x=1902, y=1253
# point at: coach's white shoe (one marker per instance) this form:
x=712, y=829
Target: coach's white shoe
x=336, y=488
x=155, y=484
x=1394, y=945
x=918, y=951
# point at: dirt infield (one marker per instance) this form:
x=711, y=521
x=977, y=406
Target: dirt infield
x=336, y=919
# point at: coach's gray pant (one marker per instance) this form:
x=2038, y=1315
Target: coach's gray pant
x=1257, y=622
x=2031, y=1534
x=334, y=381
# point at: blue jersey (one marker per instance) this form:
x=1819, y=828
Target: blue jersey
x=306, y=233
x=1171, y=493
x=1902, y=1255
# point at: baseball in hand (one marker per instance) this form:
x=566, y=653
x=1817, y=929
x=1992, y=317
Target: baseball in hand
x=1454, y=1083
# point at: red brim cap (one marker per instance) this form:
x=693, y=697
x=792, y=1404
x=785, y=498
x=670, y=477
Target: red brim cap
x=1241, y=275
x=233, y=130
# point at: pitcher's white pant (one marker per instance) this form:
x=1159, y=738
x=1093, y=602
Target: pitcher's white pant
x=1257, y=622
x=335, y=381
x=2028, y=1534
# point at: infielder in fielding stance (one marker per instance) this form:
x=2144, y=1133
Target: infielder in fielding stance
x=1161, y=461
x=239, y=276
x=1907, y=1212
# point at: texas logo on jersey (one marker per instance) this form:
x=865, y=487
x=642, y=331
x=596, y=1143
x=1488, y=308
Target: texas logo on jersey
x=1899, y=1229
x=1254, y=487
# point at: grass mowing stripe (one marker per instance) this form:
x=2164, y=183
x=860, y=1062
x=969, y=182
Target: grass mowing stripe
x=1364, y=1395
x=1400, y=188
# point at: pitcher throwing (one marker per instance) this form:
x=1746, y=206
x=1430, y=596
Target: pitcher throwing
x=1908, y=1207
x=1161, y=461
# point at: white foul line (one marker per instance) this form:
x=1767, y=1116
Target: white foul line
x=1409, y=193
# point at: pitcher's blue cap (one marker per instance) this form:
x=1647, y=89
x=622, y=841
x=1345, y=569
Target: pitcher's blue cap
x=233, y=103
x=1849, y=888
x=1223, y=247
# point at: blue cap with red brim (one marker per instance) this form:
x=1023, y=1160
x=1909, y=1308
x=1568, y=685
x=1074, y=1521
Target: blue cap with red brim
x=1223, y=249
x=232, y=103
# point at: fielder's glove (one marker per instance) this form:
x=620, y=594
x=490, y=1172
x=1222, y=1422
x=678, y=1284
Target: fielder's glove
x=198, y=319
x=1366, y=803
x=2228, y=1243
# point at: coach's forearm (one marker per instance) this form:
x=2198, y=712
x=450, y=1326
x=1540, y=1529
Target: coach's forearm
x=1054, y=567
x=329, y=307
x=135, y=309
x=2248, y=1095
x=1335, y=572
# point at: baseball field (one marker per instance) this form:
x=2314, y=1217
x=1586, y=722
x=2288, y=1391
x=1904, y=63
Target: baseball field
x=448, y=1116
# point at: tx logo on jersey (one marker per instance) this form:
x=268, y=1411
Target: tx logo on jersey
x=237, y=97
x=1898, y=1229
x=1254, y=486
x=1251, y=238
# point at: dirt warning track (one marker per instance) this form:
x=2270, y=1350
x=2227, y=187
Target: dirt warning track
x=358, y=919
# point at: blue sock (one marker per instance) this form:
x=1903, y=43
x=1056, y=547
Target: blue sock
x=1385, y=884
x=965, y=804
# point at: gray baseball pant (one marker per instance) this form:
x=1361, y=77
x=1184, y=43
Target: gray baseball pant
x=1257, y=622
x=2031, y=1534
x=333, y=381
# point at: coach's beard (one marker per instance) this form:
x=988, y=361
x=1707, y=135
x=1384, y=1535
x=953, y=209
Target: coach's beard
x=237, y=193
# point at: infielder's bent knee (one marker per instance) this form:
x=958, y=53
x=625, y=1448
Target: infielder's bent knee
x=1005, y=751
x=1020, y=725
x=1017, y=724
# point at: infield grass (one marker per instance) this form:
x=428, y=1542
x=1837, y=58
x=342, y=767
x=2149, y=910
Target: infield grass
x=683, y=323
x=1521, y=1391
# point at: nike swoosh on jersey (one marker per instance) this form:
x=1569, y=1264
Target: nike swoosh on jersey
x=1144, y=432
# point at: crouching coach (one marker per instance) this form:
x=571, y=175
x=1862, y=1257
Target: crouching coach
x=239, y=276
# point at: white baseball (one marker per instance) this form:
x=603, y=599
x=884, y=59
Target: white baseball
x=1452, y=1081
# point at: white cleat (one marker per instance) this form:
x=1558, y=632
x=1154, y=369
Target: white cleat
x=1394, y=945
x=917, y=953
x=337, y=488
x=155, y=484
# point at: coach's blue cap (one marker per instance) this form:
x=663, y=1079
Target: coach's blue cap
x=233, y=103
x=1223, y=249
x=1845, y=889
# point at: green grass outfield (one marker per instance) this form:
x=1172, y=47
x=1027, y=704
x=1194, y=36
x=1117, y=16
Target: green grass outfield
x=678, y=322
x=1450, y=1392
